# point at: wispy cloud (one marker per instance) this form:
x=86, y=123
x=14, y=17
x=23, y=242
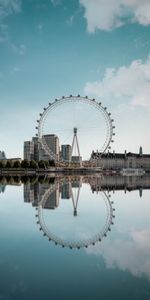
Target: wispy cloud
x=56, y=2
x=110, y=14
x=3, y=32
x=40, y=27
x=130, y=83
x=21, y=49
x=7, y=7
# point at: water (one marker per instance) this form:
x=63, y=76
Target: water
x=73, y=213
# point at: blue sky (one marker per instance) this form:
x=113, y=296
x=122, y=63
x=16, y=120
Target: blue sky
x=54, y=48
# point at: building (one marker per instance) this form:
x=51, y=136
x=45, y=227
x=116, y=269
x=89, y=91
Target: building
x=76, y=159
x=52, y=142
x=34, y=150
x=118, y=161
x=66, y=152
x=29, y=150
x=35, y=140
x=2, y=155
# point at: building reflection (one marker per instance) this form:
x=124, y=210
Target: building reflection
x=2, y=188
x=33, y=193
x=66, y=191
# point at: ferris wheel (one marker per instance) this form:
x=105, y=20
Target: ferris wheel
x=88, y=123
x=82, y=241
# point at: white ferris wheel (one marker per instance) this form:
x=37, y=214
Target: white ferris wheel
x=83, y=123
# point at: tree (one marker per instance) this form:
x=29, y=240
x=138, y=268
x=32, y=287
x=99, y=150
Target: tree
x=17, y=164
x=51, y=163
x=16, y=179
x=41, y=164
x=2, y=164
x=8, y=164
x=33, y=164
x=25, y=164
x=46, y=163
x=25, y=179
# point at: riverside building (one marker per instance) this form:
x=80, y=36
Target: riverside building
x=34, y=150
x=119, y=161
x=66, y=152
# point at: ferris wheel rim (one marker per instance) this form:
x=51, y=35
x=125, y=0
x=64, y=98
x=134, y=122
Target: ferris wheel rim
x=84, y=99
x=75, y=245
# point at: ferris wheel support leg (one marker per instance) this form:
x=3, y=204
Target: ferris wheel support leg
x=75, y=140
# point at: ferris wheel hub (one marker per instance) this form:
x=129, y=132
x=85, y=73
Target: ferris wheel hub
x=75, y=130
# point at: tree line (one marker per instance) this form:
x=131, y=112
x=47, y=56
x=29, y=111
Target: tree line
x=26, y=164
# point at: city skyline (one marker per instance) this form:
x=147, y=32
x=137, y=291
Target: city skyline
x=57, y=48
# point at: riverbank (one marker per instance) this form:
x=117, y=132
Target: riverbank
x=60, y=170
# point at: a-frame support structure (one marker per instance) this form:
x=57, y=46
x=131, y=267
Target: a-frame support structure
x=75, y=145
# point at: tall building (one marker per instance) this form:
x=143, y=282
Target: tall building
x=2, y=155
x=36, y=148
x=52, y=142
x=33, y=149
x=29, y=150
x=66, y=152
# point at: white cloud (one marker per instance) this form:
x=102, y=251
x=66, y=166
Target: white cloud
x=125, y=83
x=132, y=255
x=110, y=14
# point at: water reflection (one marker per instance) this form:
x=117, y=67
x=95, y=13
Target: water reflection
x=76, y=211
x=68, y=213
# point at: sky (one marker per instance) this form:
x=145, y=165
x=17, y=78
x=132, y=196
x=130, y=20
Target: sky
x=51, y=48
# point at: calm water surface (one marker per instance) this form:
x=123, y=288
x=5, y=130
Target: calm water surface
x=40, y=222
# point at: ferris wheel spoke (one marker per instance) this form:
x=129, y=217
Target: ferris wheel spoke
x=81, y=113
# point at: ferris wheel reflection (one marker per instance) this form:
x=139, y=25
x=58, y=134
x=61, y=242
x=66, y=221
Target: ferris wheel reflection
x=68, y=213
